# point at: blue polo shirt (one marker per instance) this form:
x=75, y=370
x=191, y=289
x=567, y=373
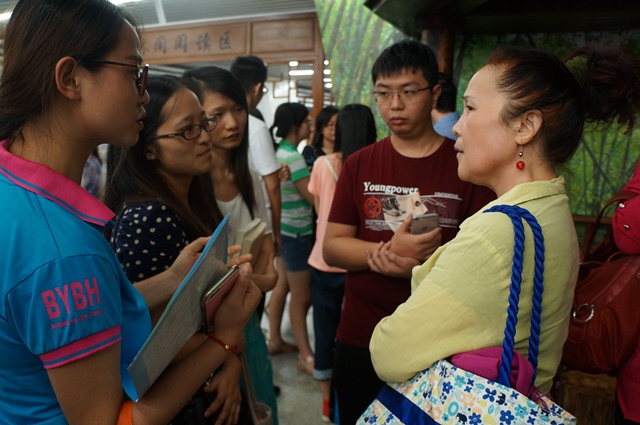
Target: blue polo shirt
x=63, y=293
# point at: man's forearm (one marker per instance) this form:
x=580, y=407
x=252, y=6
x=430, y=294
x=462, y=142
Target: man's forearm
x=347, y=253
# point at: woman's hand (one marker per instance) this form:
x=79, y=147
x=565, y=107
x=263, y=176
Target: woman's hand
x=186, y=259
x=233, y=250
x=228, y=397
x=236, y=309
x=190, y=254
x=420, y=247
x=266, y=280
x=284, y=173
x=385, y=262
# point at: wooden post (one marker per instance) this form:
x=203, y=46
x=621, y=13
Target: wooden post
x=438, y=34
x=317, y=84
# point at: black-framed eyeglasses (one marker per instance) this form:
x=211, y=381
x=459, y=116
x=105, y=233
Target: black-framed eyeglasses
x=194, y=131
x=409, y=96
x=265, y=89
x=142, y=73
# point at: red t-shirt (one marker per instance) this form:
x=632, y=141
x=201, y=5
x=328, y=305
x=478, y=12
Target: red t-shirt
x=369, y=181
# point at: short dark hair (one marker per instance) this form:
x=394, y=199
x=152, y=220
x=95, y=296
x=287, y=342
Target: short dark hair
x=288, y=116
x=355, y=129
x=132, y=178
x=406, y=55
x=448, y=95
x=249, y=70
x=39, y=34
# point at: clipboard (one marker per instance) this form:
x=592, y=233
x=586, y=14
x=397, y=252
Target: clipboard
x=182, y=317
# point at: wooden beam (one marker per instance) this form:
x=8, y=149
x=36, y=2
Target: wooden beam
x=317, y=83
x=566, y=21
x=499, y=16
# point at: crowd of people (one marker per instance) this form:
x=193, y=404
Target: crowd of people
x=185, y=151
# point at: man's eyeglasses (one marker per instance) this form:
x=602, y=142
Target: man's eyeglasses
x=142, y=73
x=384, y=97
x=265, y=89
x=194, y=131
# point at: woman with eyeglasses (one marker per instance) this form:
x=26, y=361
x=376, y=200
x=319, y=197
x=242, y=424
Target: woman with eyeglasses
x=238, y=192
x=324, y=135
x=158, y=186
x=70, y=320
x=160, y=190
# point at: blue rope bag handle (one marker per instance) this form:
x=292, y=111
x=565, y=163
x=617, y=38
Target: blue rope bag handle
x=517, y=214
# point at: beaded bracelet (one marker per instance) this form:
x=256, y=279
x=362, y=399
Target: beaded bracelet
x=232, y=348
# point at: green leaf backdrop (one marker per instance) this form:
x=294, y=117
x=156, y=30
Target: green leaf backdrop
x=353, y=37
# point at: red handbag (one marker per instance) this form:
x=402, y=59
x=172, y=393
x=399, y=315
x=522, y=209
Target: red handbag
x=605, y=319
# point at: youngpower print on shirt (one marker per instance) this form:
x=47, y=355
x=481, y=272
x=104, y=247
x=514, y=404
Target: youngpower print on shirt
x=384, y=202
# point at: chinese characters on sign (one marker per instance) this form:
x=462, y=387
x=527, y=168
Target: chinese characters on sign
x=225, y=41
x=228, y=39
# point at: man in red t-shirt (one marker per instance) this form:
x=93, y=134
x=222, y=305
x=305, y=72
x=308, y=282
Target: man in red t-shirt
x=374, y=186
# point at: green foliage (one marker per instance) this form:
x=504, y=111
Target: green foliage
x=607, y=157
x=353, y=37
x=601, y=166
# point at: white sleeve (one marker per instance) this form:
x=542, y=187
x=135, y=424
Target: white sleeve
x=262, y=155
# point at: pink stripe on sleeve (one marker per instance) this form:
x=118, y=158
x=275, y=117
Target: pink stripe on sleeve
x=81, y=348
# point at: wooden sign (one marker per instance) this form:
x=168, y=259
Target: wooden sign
x=170, y=45
x=283, y=35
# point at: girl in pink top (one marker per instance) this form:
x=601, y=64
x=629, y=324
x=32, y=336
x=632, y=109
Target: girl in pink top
x=355, y=129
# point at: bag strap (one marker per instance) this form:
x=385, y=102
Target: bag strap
x=623, y=195
x=333, y=172
x=248, y=383
x=517, y=214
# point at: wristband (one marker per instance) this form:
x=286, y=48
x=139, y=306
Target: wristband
x=232, y=348
x=125, y=414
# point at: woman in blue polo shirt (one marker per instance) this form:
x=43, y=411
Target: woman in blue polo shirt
x=70, y=321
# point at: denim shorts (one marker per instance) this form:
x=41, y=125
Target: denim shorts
x=295, y=252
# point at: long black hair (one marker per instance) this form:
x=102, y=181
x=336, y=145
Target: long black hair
x=218, y=80
x=355, y=129
x=132, y=178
